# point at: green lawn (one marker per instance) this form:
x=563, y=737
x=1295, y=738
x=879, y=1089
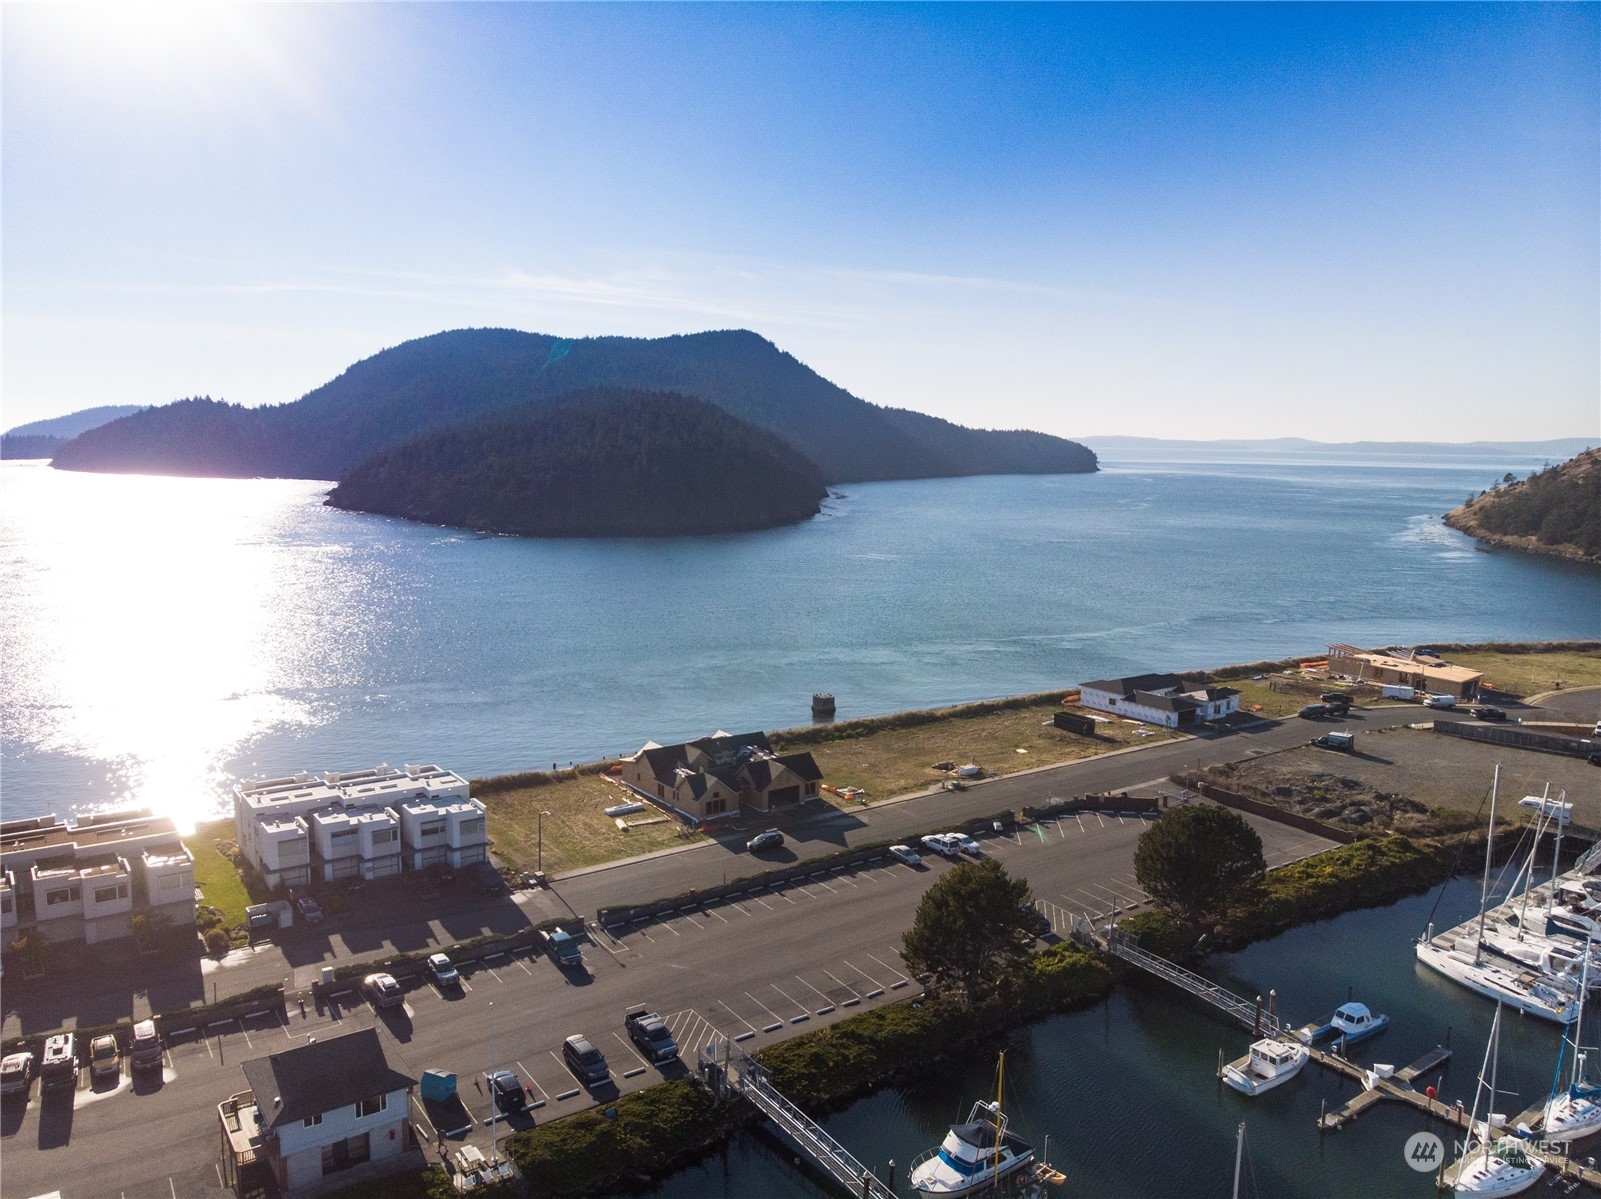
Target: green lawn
x=215, y=875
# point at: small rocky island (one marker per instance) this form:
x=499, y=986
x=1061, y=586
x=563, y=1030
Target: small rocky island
x=1555, y=511
x=601, y=462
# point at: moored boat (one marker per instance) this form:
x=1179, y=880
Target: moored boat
x=976, y=1155
x=1492, y=1165
x=1351, y=1022
x=1270, y=1063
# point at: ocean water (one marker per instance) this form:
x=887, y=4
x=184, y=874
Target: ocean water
x=162, y=637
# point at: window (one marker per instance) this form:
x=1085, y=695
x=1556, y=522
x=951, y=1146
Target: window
x=432, y=829
x=312, y=1121
x=5, y=902
x=473, y=828
x=342, y=835
x=107, y=894
x=59, y=895
x=173, y=884
x=371, y=1107
x=385, y=836
x=714, y=806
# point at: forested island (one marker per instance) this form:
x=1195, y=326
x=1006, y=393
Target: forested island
x=449, y=378
x=42, y=438
x=601, y=462
x=1555, y=511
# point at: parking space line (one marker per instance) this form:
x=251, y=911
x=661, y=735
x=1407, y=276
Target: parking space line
x=544, y=1097
x=856, y=995
x=828, y=1004
x=714, y=912
x=662, y=923
x=640, y=926
x=903, y=978
x=778, y=1020
x=523, y=966
x=844, y=879
x=818, y=879
x=763, y=902
x=782, y=893
x=876, y=990
x=643, y=1065
x=805, y=1013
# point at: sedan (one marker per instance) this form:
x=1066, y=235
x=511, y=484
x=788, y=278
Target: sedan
x=1488, y=713
x=442, y=971
x=382, y=990
x=507, y=1089
x=967, y=843
x=771, y=839
x=906, y=854
x=310, y=909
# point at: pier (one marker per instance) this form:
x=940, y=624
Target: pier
x=738, y=1072
x=1120, y=944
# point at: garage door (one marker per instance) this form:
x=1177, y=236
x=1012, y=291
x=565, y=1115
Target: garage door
x=784, y=794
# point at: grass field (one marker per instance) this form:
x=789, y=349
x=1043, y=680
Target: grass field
x=215, y=875
x=1532, y=674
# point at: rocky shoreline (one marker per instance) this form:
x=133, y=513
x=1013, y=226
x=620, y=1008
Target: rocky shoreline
x=1461, y=519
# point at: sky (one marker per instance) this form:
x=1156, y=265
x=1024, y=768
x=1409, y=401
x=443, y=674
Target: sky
x=1342, y=222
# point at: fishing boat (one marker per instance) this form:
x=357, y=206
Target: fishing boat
x=1351, y=1022
x=1269, y=1063
x=1492, y=1165
x=975, y=1155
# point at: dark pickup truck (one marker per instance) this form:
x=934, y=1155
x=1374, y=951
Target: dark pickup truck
x=650, y=1032
x=562, y=947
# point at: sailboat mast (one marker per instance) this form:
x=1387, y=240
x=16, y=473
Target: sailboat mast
x=1000, y=1080
x=1484, y=887
x=1578, y=1021
x=1239, y=1152
x=1495, y=1063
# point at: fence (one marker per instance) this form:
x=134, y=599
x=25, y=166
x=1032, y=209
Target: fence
x=1268, y=811
x=1551, y=743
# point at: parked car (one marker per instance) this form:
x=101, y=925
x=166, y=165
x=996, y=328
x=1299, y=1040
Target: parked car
x=1485, y=712
x=1344, y=742
x=564, y=948
x=771, y=839
x=310, y=910
x=650, y=1032
x=443, y=971
x=944, y=844
x=105, y=1059
x=1595, y=758
x=59, y=1069
x=507, y=1090
x=1337, y=697
x=144, y=1049
x=1313, y=711
x=586, y=1062
x=1440, y=701
x=967, y=843
x=906, y=854
x=382, y=990
x=16, y=1073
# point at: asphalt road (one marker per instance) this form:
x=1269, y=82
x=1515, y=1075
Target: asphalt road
x=758, y=968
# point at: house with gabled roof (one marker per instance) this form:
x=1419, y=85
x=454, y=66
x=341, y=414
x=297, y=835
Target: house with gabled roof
x=320, y=1116
x=712, y=778
x=1162, y=699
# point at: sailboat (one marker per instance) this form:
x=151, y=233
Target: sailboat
x=1574, y=1113
x=974, y=1155
x=1464, y=960
x=1491, y=1165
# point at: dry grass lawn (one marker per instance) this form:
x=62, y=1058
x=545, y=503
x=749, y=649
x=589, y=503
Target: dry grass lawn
x=578, y=832
x=1532, y=674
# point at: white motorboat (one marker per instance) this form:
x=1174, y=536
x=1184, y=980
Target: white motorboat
x=975, y=1155
x=1268, y=1064
x=1351, y=1022
x=1492, y=1165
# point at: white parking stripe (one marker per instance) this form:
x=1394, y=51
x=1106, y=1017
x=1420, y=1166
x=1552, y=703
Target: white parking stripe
x=805, y=1012
x=903, y=978
x=778, y=1021
x=529, y=1075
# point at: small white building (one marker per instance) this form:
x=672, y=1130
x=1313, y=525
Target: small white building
x=320, y=1116
x=453, y=832
x=1160, y=699
x=356, y=843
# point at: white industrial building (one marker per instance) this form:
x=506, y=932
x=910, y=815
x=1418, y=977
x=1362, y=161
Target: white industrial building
x=362, y=824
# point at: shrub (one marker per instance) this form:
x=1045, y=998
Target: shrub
x=217, y=941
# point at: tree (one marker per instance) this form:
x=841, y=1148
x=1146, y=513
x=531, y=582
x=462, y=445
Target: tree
x=1196, y=859
x=971, y=923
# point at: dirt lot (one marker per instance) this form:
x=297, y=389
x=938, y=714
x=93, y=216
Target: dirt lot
x=1396, y=772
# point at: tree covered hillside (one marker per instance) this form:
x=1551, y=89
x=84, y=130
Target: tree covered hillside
x=1556, y=510
x=605, y=462
x=439, y=381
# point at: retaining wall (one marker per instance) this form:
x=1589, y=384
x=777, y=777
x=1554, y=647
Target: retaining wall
x=1518, y=738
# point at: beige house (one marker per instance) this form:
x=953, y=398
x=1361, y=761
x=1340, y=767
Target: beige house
x=1405, y=668
x=715, y=776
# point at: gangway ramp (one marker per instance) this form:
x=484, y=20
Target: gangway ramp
x=742, y=1073
x=1249, y=1013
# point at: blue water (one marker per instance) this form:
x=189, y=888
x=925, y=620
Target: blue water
x=162, y=637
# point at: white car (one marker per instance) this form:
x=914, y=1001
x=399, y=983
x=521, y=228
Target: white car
x=967, y=843
x=442, y=971
x=906, y=854
x=945, y=844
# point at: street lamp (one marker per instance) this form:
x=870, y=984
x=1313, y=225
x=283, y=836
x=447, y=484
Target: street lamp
x=494, y=1122
x=541, y=865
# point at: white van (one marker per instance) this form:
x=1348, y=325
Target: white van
x=1440, y=701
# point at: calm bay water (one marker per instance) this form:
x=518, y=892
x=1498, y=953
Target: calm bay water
x=1128, y=1094
x=161, y=637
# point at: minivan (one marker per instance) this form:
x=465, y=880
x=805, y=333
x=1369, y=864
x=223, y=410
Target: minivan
x=144, y=1049
x=584, y=1060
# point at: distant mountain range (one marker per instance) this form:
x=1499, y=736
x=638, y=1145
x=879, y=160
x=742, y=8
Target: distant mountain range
x=1555, y=448
x=436, y=382
x=607, y=462
x=41, y=438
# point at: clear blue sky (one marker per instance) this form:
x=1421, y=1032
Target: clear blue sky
x=1339, y=222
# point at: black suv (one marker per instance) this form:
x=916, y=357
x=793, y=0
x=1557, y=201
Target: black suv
x=586, y=1062
x=1488, y=713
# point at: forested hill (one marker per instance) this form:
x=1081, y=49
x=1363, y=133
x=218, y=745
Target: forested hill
x=1554, y=511
x=606, y=462
x=42, y=438
x=438, y=381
